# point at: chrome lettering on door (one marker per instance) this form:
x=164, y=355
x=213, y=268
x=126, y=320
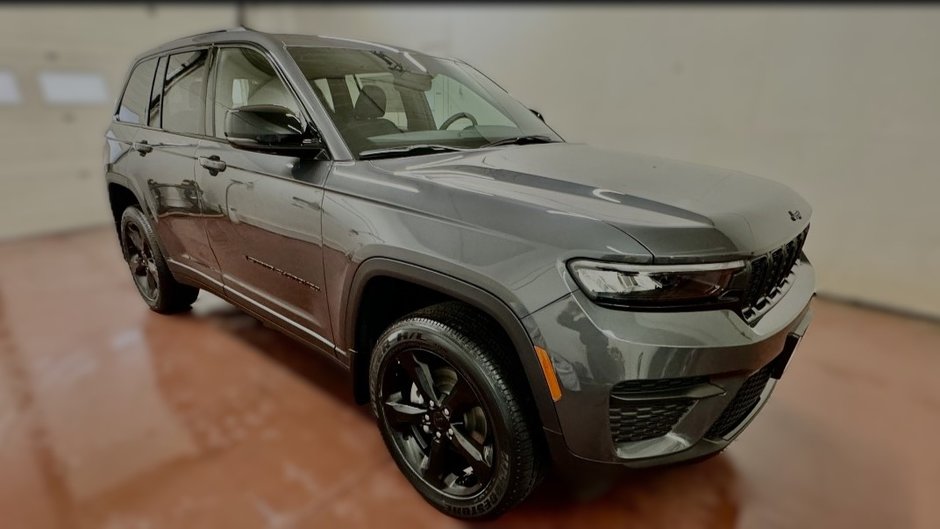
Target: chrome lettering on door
x=288, y=275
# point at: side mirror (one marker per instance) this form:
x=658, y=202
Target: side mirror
x=537, y=114
x=269, y=128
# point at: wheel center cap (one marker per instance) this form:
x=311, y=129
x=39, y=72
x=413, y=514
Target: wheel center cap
x=439, y=421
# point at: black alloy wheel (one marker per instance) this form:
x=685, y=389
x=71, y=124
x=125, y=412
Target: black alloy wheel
x=440, y=424
x=455, y=412
x=152, y=277
x=140, y=259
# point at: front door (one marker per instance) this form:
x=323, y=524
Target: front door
x=263, y=211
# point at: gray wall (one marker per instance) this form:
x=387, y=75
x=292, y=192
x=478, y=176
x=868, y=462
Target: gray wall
x=51, y=156
x=840, y=103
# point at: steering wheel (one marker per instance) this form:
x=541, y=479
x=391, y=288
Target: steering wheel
x=450, y=121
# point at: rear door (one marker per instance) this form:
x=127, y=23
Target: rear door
x=176, y=122
x=263, y=211
x=122, y=158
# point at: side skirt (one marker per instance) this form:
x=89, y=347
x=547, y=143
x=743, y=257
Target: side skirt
x=193, y=277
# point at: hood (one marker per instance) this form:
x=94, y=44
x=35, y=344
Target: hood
x=679, y=211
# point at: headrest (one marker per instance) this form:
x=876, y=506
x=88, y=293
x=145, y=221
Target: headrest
x=371, y=103
x=272, y=92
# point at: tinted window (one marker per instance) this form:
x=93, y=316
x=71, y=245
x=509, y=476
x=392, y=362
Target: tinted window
x=245, y=77
x=394, y=110
x=134, y=103
x=322, y=88
x=156, y=94
x=383, y=99
x=184, y=97
x=448, y=97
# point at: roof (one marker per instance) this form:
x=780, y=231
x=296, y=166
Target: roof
x=242, y=34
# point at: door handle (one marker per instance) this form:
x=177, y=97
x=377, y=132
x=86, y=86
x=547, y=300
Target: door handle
x=306, y=203
x=142, y=147
x=213, y=163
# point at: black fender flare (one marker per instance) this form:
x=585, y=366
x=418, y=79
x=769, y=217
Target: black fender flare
x=459, y=290
x=120, y=180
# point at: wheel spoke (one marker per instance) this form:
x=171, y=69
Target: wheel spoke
x=420, y=374
x=401, y=414
x=473, y=455
x=151, y=283
x=437, y=420
x=459, y=398
x=433, y=466
x=136, y=239
x=136, y=264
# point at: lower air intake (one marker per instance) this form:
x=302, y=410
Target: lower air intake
x=742, y=404
x=639, y=421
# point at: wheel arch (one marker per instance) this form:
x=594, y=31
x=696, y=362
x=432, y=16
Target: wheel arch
x=453, y=288
x=121, y=193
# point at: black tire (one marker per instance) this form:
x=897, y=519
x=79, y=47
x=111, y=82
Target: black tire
x=461, y=351
x=149, y=270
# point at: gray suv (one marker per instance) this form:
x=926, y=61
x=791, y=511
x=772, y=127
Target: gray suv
x=503, y=299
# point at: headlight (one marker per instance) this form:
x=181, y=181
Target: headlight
x=659, y=287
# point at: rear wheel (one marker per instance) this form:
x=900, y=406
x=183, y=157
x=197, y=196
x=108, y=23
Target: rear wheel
x=449, y=412
x=148, y=268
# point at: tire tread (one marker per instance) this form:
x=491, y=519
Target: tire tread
x=476, y=332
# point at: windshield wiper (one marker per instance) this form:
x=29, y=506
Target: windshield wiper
x=407, y=150
x=520, y=140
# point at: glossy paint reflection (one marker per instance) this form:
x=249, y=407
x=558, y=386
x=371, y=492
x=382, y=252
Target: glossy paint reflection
x=262, y=216
x=114, y=417
x=172, y=193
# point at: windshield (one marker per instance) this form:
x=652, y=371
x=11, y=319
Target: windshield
x=388, y=100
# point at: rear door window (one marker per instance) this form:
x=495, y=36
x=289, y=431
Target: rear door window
x=133, y=108
x=184, y=93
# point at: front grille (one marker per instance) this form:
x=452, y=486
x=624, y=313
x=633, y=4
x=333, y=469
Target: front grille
x=769, y=275
x=742, y=404
x=639, y=421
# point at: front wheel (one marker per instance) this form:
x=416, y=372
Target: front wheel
x=152, y=277
x=450, y=413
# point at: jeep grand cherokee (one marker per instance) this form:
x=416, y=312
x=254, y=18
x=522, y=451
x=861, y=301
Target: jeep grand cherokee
x=501, y=297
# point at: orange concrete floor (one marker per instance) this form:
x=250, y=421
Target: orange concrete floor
x=114, y=417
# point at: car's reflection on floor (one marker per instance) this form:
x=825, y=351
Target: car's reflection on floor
x=114, y=417
x=659, y=497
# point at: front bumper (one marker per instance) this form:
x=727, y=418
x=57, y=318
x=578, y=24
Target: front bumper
x=651, y=388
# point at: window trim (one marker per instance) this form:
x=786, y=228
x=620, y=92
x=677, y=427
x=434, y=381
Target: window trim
x=162, y=60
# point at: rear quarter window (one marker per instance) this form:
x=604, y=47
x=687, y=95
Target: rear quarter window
x=133, y=107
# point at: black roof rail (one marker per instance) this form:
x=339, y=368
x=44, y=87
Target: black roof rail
x=223, y=30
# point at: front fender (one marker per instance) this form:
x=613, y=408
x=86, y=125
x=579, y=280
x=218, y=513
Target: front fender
x=458, y=289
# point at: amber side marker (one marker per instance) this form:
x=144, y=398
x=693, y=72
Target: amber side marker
x=549, y=371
